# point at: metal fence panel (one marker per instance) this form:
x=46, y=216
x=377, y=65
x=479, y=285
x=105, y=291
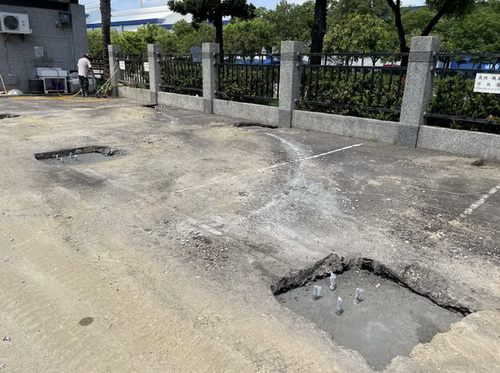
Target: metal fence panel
x=133, y=71
x=250, y=78
x=357, y=84
x=454, y=104
x=181, y=73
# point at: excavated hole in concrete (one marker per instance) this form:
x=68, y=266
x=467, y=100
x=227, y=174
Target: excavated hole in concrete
x=254, y=125
x=76, y=156
x=3, y=116
x=388, y=322
x=154, y=106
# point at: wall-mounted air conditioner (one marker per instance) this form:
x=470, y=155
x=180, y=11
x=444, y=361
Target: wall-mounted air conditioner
x=14, y=23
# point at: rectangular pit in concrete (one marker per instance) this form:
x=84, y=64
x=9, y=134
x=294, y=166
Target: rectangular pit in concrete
x=76, y=156
x=388, y=322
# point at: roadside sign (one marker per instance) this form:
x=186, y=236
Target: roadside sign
x=487, y=83
x=196, y=53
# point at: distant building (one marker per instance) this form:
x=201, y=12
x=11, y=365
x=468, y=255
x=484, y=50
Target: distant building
x=41, y=41
x=131, y=20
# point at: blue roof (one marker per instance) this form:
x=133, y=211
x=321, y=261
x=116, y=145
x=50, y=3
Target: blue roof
x=128, y=23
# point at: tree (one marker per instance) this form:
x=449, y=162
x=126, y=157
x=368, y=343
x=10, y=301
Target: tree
x=248, y=37
x=441, y=7
x=291, y=22
x=477, y=32
x=153, y=34
x=105, y=8
x=342, y=9
x=94, y=38
x=131, y=42
x=186, y=36
x=318, y=30
x=95, y=41
x=213, y=11
x=360, y=34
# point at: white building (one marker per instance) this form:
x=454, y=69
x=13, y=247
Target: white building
x=131, y=20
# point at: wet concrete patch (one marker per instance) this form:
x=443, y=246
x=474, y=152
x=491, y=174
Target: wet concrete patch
x=389, y=320
x=76, y=156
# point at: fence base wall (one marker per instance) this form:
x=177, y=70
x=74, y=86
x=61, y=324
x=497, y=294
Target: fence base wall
x=180, y=101
x=362, y=128
x=468, y=143
x=251, y=112
x=138, y=94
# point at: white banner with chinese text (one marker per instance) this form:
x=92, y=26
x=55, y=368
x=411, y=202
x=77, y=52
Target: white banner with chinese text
x=487, y=83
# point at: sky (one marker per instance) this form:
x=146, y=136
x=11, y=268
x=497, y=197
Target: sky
x=270, y=4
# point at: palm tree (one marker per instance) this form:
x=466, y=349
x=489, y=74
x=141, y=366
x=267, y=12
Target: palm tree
x=105, y=7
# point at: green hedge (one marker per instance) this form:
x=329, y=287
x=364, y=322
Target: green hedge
x=455, y=96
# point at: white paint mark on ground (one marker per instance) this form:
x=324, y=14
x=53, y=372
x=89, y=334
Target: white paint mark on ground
x=295, y=148
x=192, y=116
x=198, y=225
x=474, y=206
x=270, y=167
x=308, y=158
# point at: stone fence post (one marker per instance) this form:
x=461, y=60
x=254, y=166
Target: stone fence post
x=114, y=68
x=154, y=51
x=290, y=72
x=210, y=76
x=418, y=88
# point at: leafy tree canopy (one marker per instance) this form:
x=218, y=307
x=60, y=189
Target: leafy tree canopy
x=210, y=10
x=291, y=22
x=213, y=11
x=185, y=36
x=360, y=34
x=477, y=32
x=95, y=41
x=248, y=37
x=460, y=28
x=440, y=7
x=342, y=9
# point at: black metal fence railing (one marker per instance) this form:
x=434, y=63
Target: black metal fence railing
x=460, y=99
x=181, y=73
x=358, y=84
x=134, y=69
x=249, y=78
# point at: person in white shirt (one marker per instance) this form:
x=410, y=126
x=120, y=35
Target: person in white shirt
x=84, y=72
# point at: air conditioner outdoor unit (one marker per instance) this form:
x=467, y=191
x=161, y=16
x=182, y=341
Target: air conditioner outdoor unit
x=14, y=23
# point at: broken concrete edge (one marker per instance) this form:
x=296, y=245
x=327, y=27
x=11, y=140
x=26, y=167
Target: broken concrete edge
x=104, y=150
x=420, y=280
x=452, y=351
x=3, y=116
x=321, y=269
x=254, y=124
